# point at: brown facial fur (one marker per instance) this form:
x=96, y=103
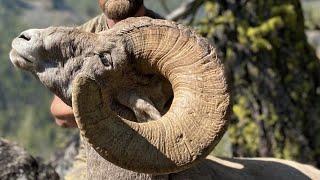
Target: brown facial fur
x=120, y=9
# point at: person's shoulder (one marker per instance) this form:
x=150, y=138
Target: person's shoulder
x=95, y=25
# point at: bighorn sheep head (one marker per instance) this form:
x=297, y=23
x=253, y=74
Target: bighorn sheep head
x=89, y=69
x=55, y=56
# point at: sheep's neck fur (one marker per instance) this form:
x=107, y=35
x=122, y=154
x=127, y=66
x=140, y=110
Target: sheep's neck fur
x=209, y=168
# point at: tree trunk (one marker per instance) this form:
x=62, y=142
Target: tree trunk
x=275, y=76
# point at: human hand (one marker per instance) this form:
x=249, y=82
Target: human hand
x=62, y=113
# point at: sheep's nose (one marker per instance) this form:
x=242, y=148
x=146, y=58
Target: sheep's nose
x=25, y=37
x=29, y=35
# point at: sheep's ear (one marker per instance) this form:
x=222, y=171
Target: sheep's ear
x=105, y=58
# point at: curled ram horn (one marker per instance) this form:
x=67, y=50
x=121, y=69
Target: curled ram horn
x=196, y=120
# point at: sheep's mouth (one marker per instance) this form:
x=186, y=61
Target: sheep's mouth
x=20, y=61
x=26, y=59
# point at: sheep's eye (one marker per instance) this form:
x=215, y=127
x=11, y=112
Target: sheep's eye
x=106, y=59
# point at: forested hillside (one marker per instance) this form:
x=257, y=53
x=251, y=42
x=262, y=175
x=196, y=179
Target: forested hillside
x=24, y=103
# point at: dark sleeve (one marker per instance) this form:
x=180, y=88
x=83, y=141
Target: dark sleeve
x=153, y=14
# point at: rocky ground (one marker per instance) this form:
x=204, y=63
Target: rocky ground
x=16, y=163
x=63, y=158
